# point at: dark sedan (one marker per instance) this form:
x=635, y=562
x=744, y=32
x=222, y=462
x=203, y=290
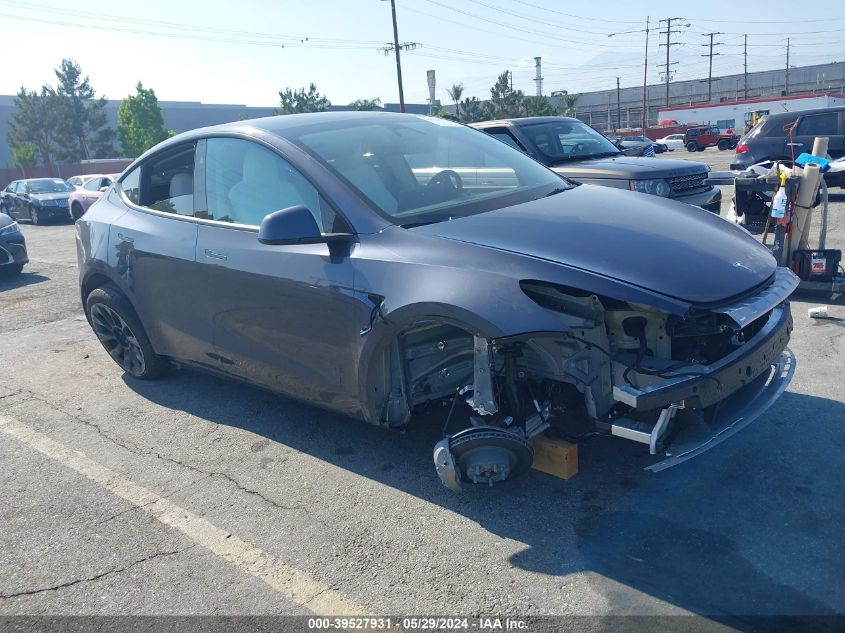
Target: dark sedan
x=12, y=247
x=379, y=264
x=575, y=150
x=37, y=199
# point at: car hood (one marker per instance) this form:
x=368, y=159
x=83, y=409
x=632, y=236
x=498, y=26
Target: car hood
x=59, y=195
x=667, y=247
x=628, y=167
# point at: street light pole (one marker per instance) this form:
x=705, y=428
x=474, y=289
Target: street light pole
x=645, y=67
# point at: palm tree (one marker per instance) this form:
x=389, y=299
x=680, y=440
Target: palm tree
x=455, y=93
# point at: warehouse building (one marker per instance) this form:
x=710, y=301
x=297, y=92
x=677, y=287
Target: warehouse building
x=599, y=108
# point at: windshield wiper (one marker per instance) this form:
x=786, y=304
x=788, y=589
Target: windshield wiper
x=412, y=225
x=604, y=155
x=553, y=192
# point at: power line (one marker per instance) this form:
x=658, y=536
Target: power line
x=510, y=27
x=577, y=17
x=534, y=20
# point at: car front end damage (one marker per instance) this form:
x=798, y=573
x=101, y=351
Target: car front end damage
x=677, y=383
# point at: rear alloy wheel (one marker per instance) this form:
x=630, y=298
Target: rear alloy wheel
x=692, y=146
x=76, y=211
x=35, y=216
x=121, y=333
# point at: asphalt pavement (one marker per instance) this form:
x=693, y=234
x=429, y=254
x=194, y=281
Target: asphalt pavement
x=193, y=495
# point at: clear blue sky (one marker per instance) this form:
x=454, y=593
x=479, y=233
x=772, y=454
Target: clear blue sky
x=230, y=52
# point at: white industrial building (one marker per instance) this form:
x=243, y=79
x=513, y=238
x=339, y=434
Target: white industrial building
x=735, y=114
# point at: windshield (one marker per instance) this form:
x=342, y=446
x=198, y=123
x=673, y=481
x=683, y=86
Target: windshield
x=48, y=185
x=417, y=169
x=568, y=139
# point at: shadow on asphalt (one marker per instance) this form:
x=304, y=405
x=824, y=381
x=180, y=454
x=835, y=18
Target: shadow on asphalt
x=771, y=492
x=19, y=281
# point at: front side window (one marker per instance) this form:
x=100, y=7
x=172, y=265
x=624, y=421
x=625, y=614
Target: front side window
x=245, y=181
x=415, y=169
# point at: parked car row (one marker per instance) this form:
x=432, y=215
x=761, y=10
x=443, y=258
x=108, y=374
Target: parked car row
x=42, y=199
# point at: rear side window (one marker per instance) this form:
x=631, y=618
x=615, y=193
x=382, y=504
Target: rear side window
x=168, y=182
x=826, y=124
x=505, y=137
x=131, y=185
x=776, y=127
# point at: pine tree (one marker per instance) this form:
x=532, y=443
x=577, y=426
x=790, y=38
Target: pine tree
x=84, y=133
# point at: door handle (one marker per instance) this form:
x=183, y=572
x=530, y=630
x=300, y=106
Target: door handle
x=125, y=238
x=215, y=255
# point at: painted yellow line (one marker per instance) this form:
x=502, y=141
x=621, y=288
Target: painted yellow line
x=292, y=583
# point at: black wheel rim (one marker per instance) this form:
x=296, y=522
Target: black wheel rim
x=118, y=339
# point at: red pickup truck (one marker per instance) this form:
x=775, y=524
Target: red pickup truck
x=696, y=139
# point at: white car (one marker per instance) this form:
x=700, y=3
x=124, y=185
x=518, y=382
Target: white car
x=673, y=141
x=79, y=181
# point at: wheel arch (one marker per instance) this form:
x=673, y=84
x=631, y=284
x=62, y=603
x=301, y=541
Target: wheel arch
x=382, y=356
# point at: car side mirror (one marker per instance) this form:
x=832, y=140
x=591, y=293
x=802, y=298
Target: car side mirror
x=295, y=225
x=103, y=189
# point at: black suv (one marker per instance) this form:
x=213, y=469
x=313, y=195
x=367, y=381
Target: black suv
x=769, y=139
x=576, y=151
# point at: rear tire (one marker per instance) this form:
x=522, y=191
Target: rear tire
x=11, y=271
x=121, y=334
x=723, y=145
x=692, y=146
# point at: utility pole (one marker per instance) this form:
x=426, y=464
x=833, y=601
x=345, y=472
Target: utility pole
x=395, y=47
x=669, y=44
x=745, y=63
x=786, y=75
x=711, y=54
x=619, y=106
x=645, y=79
x=645, y=67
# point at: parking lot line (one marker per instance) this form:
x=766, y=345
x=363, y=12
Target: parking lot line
x=290, y=582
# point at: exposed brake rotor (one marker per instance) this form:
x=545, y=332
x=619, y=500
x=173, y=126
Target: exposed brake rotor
x=481, y=455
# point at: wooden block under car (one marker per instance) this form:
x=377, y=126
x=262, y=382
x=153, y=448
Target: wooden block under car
x=554, y=456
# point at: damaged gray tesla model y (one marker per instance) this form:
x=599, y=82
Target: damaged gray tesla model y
x=374, y=263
